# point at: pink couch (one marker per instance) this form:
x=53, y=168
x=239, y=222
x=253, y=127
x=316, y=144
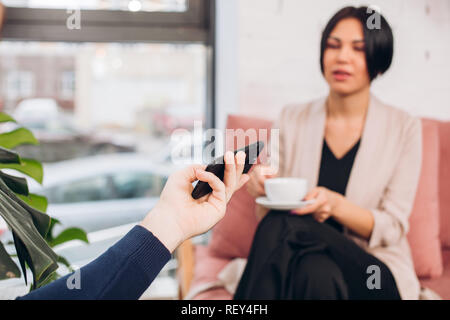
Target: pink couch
x=232, y=237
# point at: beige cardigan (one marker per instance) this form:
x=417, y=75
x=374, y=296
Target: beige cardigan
x=383, y=179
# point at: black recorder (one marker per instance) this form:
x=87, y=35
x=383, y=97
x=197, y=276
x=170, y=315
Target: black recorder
x=217, y=167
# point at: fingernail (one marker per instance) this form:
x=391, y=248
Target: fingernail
x=228, y=156
x=241, y=157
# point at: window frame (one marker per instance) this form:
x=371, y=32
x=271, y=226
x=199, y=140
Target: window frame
x=195, y=25
x=109, y=25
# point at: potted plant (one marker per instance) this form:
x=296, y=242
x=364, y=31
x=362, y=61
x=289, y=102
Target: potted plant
x=24, y=213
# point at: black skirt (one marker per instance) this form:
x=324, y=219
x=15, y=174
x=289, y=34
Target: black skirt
x=297, y=257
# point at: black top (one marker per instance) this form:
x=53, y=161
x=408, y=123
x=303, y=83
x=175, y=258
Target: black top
x=334, y=173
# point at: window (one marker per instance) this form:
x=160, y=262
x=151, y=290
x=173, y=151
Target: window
x=116, y=75
x=141, y=90
x=123, y=5
x=19, y=84
x=75, y=67
x=67, y=88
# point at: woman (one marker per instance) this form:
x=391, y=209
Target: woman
x=363, y=160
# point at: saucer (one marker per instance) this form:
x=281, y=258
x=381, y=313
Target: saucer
x=265, y=202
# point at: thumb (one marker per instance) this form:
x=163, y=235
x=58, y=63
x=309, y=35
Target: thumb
x=244, y=179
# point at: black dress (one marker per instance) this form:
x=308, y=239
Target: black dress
x=334, y=173
x=297, y=257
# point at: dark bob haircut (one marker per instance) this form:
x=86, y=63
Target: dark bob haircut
x=378, y=39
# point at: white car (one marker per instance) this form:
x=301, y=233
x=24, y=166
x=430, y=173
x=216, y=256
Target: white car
x=45, y=118
x=101, y=192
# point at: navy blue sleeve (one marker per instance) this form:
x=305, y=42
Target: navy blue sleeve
x=124, y=271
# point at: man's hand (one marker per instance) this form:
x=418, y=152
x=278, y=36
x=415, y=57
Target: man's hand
x=177, y=216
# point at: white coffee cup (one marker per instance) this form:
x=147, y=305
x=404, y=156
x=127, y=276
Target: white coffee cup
x=288, y=190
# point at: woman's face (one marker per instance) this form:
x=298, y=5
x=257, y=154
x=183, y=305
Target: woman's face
x=344, y=59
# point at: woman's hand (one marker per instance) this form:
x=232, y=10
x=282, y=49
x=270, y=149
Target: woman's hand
x=326, y=201
x=258, y=175
x=177, y=216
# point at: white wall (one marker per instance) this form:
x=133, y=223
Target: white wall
x=275, y=55
x=227, y=79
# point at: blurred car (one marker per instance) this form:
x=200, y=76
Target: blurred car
x=104, y=191
x=59, y=136
x=166, y=120
x=46, y=119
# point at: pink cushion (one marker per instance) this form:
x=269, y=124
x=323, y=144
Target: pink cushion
x=423, y=234
x=205, y=271
x=441, y=285
x=233, y=235
x=444, y=183
x=210, y=266
x=214, y=294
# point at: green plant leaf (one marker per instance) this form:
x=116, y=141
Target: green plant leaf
x=16, y=184
x=69, y=234
x=8, y=156
x=8, y=269
x=41, y=221
x=49, y=236
x=16, y=138
x=64, y=261
x=22, y=255
x=40, y=276
x=52, y=277
x=6, y=118
x=29, y=226
x=31, y=248
x=30, y=167
x=35, y=201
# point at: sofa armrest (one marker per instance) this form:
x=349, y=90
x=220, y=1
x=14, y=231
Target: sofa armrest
x=185, y=270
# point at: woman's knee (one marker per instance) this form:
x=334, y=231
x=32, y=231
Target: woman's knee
x=273, y=221
x=317, y=276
